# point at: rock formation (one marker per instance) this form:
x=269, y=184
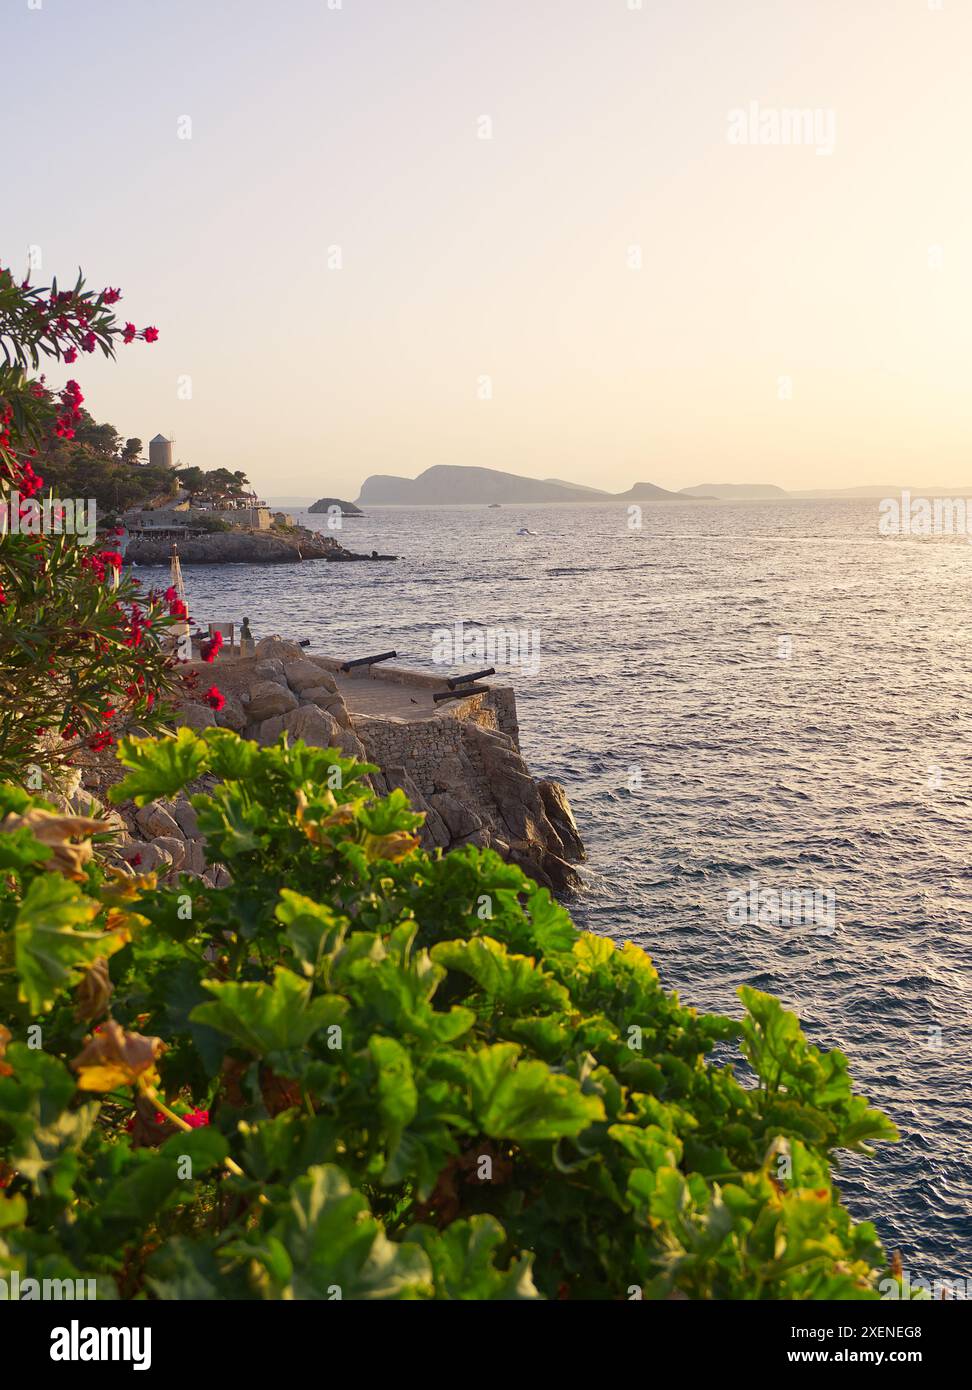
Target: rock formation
x=238, y=547
x=324, y=504
x=462, y=768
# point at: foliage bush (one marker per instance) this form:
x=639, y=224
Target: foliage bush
x=81, y=651
x=360, y=1071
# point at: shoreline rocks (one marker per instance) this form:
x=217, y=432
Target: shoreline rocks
x=462, y=769
x=238, y=547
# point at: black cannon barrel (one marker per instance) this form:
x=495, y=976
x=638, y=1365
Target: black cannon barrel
x=368, y=660
x=459, y=694
x=453, y=681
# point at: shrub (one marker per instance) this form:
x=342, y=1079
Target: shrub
x=360, y=1071
x=80, y=652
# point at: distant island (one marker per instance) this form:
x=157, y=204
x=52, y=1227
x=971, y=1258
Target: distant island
x=449, y=483
x=731, y=492
x=324, y=504
x=457, y=485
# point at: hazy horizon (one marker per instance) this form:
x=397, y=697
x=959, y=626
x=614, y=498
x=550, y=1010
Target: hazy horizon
x=799, y=314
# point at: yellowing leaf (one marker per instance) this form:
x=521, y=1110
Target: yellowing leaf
x=114, y=1057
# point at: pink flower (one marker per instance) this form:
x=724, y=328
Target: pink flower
x=150, y=335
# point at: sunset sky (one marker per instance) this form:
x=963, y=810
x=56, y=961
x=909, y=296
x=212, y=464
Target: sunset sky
x=843, y=278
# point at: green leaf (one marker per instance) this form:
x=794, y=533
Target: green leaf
x=339, y=1250
x=552, y=928
x=139, y=1195
x=269, y=1018
x=463, y=1261
x=515, y=981
x=48, y=951
x=397, y=1096
x=312, y=930
x=19, y=850
x=160, y=767
x=526, y=1100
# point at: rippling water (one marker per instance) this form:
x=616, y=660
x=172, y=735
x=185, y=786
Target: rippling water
x=842, y=766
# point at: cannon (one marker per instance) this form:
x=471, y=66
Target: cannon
x=453, y=681
x=460, y=693
x=367, y=660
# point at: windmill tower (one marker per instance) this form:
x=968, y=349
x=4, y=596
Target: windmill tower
x=160, y=451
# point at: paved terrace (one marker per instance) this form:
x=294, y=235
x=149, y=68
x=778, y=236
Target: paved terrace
x=378, y=692
x=385, y=691
x=386, y=699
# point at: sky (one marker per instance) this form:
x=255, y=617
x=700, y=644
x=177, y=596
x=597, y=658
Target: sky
x=535, y=235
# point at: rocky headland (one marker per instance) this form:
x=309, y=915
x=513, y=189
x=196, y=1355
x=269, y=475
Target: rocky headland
x=243, y=546
x=459, y=762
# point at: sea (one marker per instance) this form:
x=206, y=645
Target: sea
x=752, y=706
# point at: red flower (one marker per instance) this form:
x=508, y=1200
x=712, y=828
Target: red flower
x=197, y=1119
x=151, y=334
x=3, y=596
x=71, y=355
x=177, y=609
x=128, y=336
x=111, y=557
x=89, y=342
x=170, y=594
x=214, y=698
x=112, y=296
x=135, y=860
x=210, y=647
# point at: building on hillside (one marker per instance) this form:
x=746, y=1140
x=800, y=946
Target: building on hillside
x=160, y=452
x=176, y=514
